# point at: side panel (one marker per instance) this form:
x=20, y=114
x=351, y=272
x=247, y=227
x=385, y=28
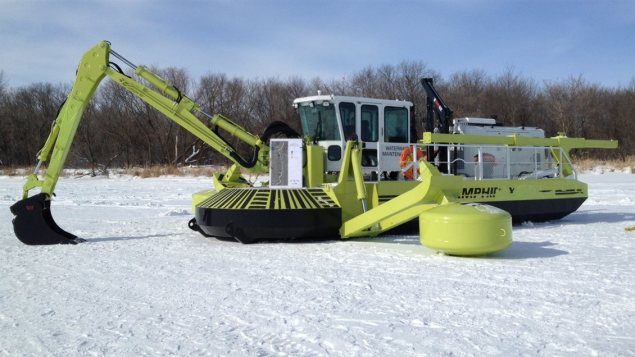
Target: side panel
x=535, y=200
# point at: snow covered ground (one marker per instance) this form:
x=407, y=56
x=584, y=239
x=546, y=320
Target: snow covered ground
x=145, y=284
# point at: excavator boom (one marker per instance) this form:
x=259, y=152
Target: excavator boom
x=33, y=222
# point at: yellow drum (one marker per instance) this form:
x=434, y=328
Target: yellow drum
x=465, y=229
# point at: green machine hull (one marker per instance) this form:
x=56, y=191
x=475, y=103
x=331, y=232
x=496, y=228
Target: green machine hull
x=257, y=214
x=528, y=200
x=456, y=211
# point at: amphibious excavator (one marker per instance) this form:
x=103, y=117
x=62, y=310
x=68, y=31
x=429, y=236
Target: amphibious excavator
x=465, y=181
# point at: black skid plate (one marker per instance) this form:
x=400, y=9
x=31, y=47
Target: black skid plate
x=251, y=215
x=33, y=223
x=250, y=225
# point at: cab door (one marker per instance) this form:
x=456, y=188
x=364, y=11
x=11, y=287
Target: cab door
x=348, y=114
x=369, y=119
x=395, y=137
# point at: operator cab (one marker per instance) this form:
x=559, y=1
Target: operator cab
x=381, y=126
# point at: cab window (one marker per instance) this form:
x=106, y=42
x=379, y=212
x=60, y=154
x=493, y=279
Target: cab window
x=319, y=121
x=395, y=125
x=347, y=116
x=370, y=123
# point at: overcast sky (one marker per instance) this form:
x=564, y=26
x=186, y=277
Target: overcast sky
x=546, y=40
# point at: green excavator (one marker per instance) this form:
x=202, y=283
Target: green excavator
x=465, y=181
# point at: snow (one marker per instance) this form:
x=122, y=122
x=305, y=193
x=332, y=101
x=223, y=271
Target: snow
x=146, y=285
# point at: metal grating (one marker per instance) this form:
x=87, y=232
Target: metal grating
x=255, y=198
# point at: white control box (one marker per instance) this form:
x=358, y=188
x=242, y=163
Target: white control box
x=285, y=163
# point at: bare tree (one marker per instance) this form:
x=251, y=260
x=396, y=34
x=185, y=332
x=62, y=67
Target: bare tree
x=120, y=129
x=3, y=84
x=467, y=91
x=511, y=98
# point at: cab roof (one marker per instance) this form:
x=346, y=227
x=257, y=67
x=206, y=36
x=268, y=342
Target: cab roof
x=357, y=100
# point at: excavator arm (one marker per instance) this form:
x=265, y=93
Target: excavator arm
x=33, y=223
x=436, y=105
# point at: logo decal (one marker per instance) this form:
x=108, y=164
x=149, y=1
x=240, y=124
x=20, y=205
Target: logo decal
x=479, y=192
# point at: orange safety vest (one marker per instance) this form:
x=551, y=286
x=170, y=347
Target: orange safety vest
x=406, y=161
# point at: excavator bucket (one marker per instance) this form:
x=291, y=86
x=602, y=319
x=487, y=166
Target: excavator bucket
x=33, y=223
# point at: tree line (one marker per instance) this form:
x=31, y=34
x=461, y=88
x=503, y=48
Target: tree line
x=119, y=130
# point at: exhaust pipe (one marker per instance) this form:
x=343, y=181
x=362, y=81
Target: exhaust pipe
x=33, y=223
